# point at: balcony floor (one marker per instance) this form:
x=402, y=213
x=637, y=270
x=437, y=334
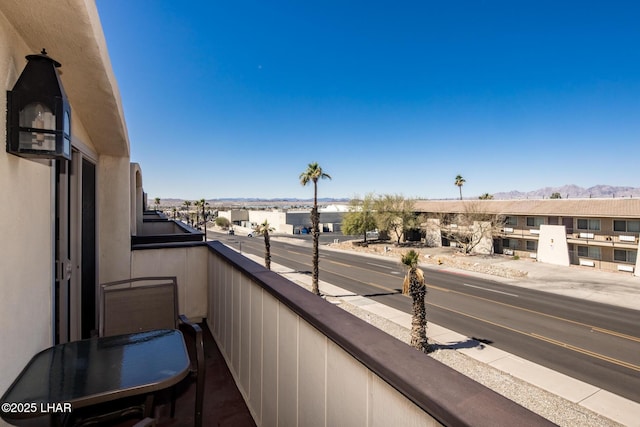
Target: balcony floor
x=223, y=403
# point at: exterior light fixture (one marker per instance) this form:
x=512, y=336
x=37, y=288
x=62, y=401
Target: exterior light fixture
x=38, y=112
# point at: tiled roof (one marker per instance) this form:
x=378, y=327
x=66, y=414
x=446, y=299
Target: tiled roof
x=617, y=208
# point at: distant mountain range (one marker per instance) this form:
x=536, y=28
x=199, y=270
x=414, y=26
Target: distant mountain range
x=234, y=202
x=572, y=192
x=566, y=191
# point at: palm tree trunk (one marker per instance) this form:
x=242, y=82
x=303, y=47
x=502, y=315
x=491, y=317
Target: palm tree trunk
x=419, y=317
x=460, y=188
x=315, y=219
x=267, y=251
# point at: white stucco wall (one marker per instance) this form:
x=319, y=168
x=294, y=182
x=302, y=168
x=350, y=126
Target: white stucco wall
x=277, y=220
x=552, y=245
x=433, y=235
x=482, y=232
x=26, y=260
x=188, y=264
x=114, y=209
x=73, y=36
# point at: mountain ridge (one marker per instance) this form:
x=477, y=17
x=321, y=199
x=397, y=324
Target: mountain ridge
x=572, y=191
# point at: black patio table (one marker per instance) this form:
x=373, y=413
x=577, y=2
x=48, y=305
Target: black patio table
x=79, y=374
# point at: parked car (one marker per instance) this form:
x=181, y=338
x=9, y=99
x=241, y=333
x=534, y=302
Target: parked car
x=231, y=232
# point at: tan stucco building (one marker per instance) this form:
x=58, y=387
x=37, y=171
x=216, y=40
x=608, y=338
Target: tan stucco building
x=598, y=233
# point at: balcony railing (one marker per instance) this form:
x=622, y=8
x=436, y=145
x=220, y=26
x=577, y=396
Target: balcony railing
x=299, y=360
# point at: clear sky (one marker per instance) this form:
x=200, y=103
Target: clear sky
x=235, y=98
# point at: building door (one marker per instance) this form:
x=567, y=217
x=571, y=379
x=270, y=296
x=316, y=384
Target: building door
x=88, y=250
x=82, y=308
x=63, y=270
x=76, y=269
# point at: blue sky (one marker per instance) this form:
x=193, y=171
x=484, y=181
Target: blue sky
x=234, y=99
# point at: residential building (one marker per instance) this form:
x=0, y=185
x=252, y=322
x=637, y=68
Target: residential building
x=598, y=233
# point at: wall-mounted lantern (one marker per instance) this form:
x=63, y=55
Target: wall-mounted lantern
x=38, y=112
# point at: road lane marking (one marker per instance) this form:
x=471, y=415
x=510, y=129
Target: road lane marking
x=380, y=265
x=617, y=334
x=605, y=331
x=548, y=340
x=490, y=290
x=340, y=263
x=587, y=352
x=601, y=330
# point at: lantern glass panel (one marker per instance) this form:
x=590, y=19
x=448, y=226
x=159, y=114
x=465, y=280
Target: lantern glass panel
x=37, y=116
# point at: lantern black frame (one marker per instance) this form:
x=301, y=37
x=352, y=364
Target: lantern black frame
x=39, y=89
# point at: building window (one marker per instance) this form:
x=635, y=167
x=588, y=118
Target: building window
x=589, y=252
x=589, y=224
x=626, y=226
x=510, y=243
x=621, y=255
x=532, y=245
x=511, y=220
x=535, y=221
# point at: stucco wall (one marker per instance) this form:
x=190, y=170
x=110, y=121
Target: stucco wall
x=73, y=36
x=552, y=245
x=188, y=264
x=276, y=219
x=26, y=261
x=114, y=200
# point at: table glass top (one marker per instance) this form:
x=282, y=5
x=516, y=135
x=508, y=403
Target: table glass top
x=80, y=372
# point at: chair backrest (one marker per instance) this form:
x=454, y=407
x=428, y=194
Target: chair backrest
x=138, y=304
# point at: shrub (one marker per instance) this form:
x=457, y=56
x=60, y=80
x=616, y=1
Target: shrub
x=222, y=222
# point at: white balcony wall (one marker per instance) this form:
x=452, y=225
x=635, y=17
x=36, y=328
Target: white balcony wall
x=289, y=373
x=188, y=264
x=114, y=239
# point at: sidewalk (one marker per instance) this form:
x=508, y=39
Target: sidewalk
x=610, y=288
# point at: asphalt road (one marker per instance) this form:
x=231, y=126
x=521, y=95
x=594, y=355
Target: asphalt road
x=592, y=342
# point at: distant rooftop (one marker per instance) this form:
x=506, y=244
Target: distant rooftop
x=616, y=208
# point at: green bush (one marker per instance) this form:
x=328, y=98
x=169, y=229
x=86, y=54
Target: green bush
x=222, y=222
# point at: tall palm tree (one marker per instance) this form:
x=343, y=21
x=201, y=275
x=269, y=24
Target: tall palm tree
x=187, y=205
x=196, y=204
x=203, y=203
x=460, y=182
x=313, y=174
x=264, y=229
x=415, y=287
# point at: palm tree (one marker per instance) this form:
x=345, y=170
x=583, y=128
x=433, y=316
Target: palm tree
x=187, y=205
x=264, y=229
x=460, y=182
x=157, y=202
x=486, y=196
x=202, y=203
x=415, y=287
x=313, y=174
